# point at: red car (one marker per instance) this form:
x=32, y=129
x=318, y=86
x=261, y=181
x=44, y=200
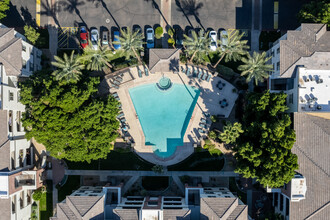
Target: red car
x=83, y=37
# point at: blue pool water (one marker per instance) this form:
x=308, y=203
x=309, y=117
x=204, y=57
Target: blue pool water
x=164, y=115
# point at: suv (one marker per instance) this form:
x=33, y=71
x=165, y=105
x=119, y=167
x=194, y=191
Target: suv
x=83, y=35
x=94, y=38
x=223, y=39
x=105, y=38
x=213, y=44
x=150, y=38
x=116, y=35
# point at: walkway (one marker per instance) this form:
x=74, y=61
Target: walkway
x=203, y=174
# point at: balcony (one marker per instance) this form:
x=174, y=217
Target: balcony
x=25, y=180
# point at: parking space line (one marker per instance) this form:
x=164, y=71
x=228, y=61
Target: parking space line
x=38, y=12
x=64, y=34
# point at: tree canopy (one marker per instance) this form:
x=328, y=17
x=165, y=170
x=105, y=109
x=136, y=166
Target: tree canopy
x=263, y=151
x=4, y=6
x=315, y=12
x=31, y=34
x=69, y=119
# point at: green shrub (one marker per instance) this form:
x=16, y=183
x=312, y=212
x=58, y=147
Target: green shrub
x=170, y=41
x=37, y=194
x=31, y=34
x=158, y=32
x=212, y=135
x=183, y=58
x=171, y=32
x=214, y=118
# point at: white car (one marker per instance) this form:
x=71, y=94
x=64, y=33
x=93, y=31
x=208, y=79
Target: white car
x=94, y=38
x=213, y=44
x=223, y=38
x=150, y=38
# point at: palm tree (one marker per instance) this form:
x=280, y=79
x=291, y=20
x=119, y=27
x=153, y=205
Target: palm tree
x=131, y=43
x=197, y=45
x=234, y=49
x=96, y=59
x=255, y=67
x=231, y=132
x=68, y=68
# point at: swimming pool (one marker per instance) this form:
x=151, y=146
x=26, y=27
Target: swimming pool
x=164, y=115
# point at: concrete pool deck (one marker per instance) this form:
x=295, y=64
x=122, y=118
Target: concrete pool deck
x=207, y=102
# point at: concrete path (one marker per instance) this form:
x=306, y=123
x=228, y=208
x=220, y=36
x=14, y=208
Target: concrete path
x=151, y=173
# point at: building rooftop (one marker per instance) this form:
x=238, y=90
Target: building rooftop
x=164, y=60
x=303, y=42
x=314, y=90
x=312, y=149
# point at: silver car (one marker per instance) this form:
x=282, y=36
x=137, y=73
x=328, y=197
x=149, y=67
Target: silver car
x=105, y=38
x=223, y=39
x=94, y=38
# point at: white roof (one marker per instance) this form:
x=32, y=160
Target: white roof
x=298, y=188
x=314, y=84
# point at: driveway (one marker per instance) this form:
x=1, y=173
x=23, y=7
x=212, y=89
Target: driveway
x=97, y=13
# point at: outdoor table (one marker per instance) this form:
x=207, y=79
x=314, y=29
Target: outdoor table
x=224, y=103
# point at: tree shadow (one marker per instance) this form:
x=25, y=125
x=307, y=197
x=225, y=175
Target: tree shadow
x=104, y=5
x=28, y=17
x=72, y=6
x=156, y=6
x=13, y=18
x=190, y=7
x=50, y=10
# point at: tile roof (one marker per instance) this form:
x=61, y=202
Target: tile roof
x=303, y=43
x=4, y=142
x=64, y=212
x=82, y=204
x=176, y=214
x=313, y=150
x=163, y=60
x=126, y=214
x=10, y=51
x=5, y=210
x=222, y=208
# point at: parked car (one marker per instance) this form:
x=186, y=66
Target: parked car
x=179, y=37
x=139, y=30
x=94, y=38
x=150, y=38
x=105, y=38
x=213, y=44
x=223, y=38
x=83, y=35
x=116, y=35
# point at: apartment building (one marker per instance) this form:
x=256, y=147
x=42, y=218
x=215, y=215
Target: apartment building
x=301, y=61
x=18, y=174
x=107, y=203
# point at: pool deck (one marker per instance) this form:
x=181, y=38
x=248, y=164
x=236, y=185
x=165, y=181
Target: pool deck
x=208, y=102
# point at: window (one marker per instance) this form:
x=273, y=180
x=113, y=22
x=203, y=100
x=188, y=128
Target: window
x=272, y=53
x=278, y=50
x=281, y=202
x=291, y=102
x=24, y=64
x=11, y=96
x=278, y=66
x=31, y=66
x=18, y=96
x=287, y=207
x=24, y=48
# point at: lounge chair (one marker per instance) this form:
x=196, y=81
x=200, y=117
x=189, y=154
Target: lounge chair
x=119, y=106
x=189, y=72
x=119, y=79
x=204, y=76
x=195, y=71
x=114, y=85
x=183, y=69
x=120, y=115
x=208, y=77
x=203, y=120
x=140, y=73
x=116, y=82
x=123, y=120
x=199, y=74
x=114, y=94
x=202, y=125
x=146, y=71
x=117, y=98
x=201, y=131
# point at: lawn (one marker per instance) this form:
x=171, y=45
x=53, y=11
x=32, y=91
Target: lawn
x=155, y=183
x=114, y=161
x=233, y=188
x=71, y=184
x=199, y=161
x=46, y=202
